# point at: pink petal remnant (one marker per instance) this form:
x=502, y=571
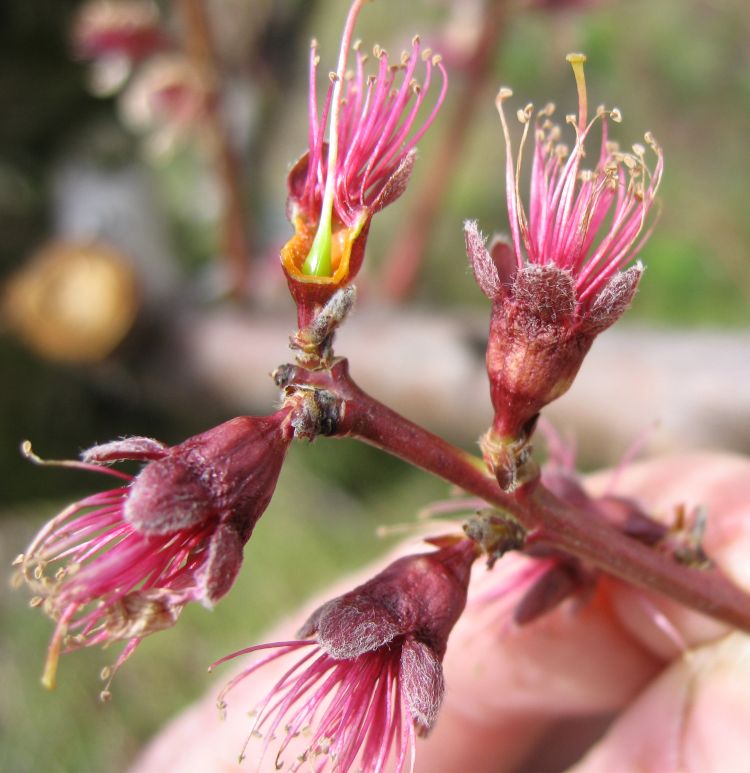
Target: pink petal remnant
x=589, y=222
x=369, y=677
x=122, y=563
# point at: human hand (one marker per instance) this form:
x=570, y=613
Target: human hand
x=601, y=683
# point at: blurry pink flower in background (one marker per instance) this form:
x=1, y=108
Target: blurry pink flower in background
x=166, y=102
x=115, y=36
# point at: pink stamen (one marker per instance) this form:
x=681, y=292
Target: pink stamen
x=568, y=209
x=373, y=127
x=356, y=706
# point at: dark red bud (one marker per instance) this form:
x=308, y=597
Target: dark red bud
x=540, y=334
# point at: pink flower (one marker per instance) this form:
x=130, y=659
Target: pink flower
x=128, y=29
x=114, y=37
x=121, y=564
x=371, y=675
x=166, y=101
x=374, y=123
x=561, y=281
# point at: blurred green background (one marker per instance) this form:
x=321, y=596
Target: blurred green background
x=680, y=68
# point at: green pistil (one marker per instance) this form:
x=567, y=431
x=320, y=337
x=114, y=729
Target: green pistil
x=318, y=261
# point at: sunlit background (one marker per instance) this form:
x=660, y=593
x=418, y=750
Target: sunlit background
x=123, y=312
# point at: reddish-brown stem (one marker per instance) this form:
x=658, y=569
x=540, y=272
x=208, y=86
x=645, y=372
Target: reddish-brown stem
x=235, y=239
x=551, y=520
x=403, y=263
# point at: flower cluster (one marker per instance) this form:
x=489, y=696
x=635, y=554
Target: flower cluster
x=368, y=676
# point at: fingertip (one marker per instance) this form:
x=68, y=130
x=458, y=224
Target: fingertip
x=694, y=717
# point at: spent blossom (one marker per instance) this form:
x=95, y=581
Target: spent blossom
x=121, y=564
x=563, y=278
x=370, y=677
x=374, y=123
